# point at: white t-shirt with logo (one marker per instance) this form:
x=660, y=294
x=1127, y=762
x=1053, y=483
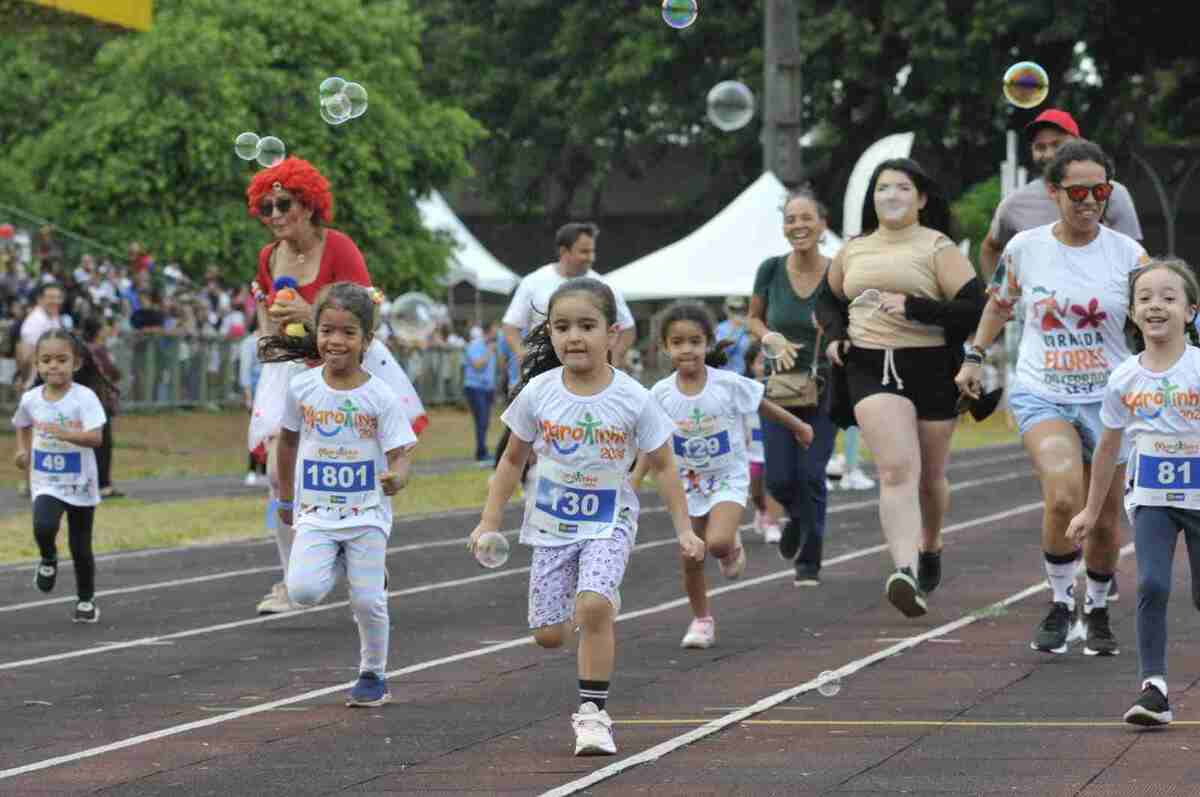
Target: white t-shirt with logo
x=1074, y=300
x=58, y=468
x=344, y=439
x=710, y=427
x=585, y=447
x=531, y=301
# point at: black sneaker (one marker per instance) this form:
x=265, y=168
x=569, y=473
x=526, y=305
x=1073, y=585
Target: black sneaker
x=1100, y=639
x=929, y=570
x=807, y=575
x=903, y=593
x=1052, y=632
x=791, y=541
x=44, y=575
x=1151, y=709
x=87, y=612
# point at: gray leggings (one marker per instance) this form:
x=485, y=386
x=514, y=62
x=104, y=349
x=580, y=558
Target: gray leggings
x=1156, y=529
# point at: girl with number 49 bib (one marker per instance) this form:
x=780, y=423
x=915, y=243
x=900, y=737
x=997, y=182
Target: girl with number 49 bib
x=1154, y=398
x=587, y=422
x=709, y=406
x=343, y=452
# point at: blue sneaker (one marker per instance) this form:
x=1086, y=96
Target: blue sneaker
x=371, y=690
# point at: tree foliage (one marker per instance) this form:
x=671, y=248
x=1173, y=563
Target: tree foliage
x=144, y=148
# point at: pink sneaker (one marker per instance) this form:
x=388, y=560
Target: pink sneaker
x=701, y=633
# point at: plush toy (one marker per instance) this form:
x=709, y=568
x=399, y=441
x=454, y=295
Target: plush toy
x=285, y=288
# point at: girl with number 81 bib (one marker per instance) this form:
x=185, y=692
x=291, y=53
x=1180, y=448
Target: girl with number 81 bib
x=708, y=407
x=59, y=423
x=343, y=451
x=1153, y=398
x=587, y=422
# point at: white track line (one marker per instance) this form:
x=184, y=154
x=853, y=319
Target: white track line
x=465, y=655
x=416, y=519
x=325, y=607
x=709, y=728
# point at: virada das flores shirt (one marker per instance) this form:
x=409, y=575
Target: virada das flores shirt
x=344, y=439
x=58, y=468
x=1075, y=301
x=1166, y=404
x=710, y=428
x=585, y=447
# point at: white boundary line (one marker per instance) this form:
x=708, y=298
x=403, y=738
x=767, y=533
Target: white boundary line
x=709, y=728
x=479, y=652
x=18, y=567
x=325, y=607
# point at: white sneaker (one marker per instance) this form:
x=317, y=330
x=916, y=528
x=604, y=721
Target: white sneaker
x=760, y=523
x=836, y=465
x=593, y=731
x=734, y=565
x=251, y=479
x=857, y=480
x=773, y=534
x=701, y=633
x=277, y=602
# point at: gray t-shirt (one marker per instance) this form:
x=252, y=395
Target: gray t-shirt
x=1031, y=206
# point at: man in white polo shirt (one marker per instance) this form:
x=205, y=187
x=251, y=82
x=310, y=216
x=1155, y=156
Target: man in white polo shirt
x=45, y=316
x=576, y=244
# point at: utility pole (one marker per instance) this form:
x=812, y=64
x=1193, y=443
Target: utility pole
x=782, y=89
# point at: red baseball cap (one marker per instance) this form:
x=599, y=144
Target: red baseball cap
x=1054, y=118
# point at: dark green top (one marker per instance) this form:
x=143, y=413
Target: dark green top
x=787, y=313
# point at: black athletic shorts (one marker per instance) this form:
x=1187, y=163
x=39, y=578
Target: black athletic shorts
x=927, y=374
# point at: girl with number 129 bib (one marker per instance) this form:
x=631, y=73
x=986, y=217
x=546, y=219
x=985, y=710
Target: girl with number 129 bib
x=587, y=422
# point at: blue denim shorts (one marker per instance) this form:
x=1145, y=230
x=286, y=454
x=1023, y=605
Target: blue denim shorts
x=1029, y=410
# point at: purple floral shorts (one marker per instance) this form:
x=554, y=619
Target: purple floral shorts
x=559, y=573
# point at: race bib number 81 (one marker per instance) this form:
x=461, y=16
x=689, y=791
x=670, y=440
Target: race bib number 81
x=1167, y=471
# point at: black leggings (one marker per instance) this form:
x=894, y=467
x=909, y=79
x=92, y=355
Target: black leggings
x=47, y=514
x=104, y=455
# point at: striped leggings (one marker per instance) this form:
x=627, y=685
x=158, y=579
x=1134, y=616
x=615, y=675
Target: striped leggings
x=313, y=570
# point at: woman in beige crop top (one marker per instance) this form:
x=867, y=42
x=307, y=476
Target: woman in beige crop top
x=902, y=279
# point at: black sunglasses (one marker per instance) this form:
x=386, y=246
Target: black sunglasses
x=267, y=207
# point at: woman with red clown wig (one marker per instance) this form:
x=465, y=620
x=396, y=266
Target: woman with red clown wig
x=293, y=200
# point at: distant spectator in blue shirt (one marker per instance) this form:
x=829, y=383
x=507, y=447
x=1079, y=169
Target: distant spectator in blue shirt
x=734, y=328
x=479, y=386
x=513, y=365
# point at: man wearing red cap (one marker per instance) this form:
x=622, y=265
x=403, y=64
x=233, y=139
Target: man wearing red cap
x=1031, y=206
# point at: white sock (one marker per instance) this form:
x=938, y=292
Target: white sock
x=283, y=541
x=1097, y=593
x=1062, y=581
x=1158, y=682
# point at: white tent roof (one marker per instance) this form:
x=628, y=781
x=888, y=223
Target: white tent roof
x=722, y=257
x=470, y=261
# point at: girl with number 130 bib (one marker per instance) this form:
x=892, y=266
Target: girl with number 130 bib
x=587, y=422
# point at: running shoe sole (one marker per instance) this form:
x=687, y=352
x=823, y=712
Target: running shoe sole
x=352, y=703
x=902, y=592
x=1139, y=715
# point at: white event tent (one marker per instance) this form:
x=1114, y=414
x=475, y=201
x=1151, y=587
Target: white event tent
x=721, y=257
x=470, y=261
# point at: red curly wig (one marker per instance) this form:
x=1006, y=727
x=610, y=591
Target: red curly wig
x=301, y=179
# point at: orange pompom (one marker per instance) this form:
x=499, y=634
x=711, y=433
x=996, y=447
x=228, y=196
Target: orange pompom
x=287, y=294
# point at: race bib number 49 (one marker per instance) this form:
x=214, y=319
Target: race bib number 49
x=57, y=467
x=1167, y=472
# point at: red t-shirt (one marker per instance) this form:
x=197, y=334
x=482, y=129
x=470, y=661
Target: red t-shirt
x=340, y=262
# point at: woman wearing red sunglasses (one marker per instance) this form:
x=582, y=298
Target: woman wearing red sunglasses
x=1072, y=278
x=292, y=199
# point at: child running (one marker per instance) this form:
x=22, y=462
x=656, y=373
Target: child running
x=1153, y=398
x=767, y=511
x=343, y=449
x=708, y=406
x=59, y=423
x=587, y=422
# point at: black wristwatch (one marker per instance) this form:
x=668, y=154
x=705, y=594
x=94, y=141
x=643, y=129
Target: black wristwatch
x=972, y=353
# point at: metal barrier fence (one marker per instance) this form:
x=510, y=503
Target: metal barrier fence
x=161, y=372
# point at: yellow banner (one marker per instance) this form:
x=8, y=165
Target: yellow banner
x=127, y=13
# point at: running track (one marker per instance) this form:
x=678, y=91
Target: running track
x=181, y=690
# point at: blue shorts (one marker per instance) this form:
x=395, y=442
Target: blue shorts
x=1029, y=410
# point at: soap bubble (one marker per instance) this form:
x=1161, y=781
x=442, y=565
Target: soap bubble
x=679, y=14
x=774, y=345
x=491, y=550
x=245, y=146
x=270, y=151
x=829, y=683
x=1026, y=84
x=356, y=98
x=414, y=316
x=730, y=105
